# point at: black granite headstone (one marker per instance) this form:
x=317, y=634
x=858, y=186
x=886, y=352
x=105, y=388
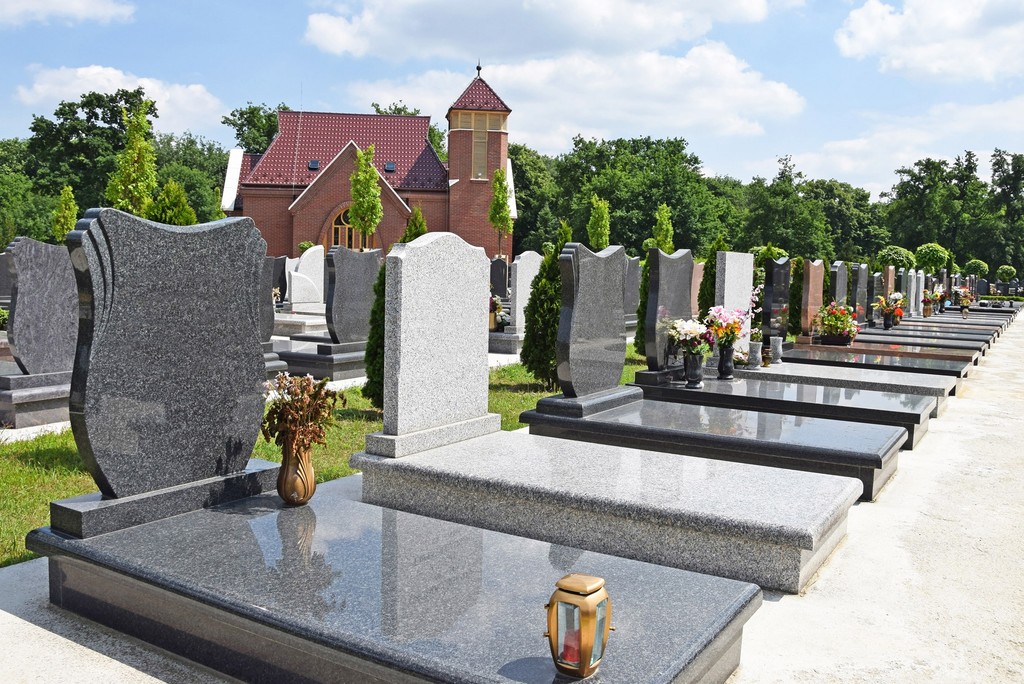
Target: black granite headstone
x=1003, y=289
x=280, y=279
x=860, y=292
x=668, y=299
x=876, y=289
x=167, y=381
x=1014, y=287
x=5, y=277
x=631, y=289
x=43, y=321
x=983, y=290
x=591, y=345
x=350, y=279
x=499, y=278
x=266, y=295
x=838, y=284
x=902, y=284
x=777, y=275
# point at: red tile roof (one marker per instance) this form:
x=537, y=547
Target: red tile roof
x=479, y=97
x=304, y=136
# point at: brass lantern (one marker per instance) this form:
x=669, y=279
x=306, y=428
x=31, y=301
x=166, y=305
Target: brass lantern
x=579, y=618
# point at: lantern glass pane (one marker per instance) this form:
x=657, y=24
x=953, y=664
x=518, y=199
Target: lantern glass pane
x=602, y=615
x=568, y=617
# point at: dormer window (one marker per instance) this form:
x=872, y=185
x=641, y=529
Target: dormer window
x=389, y=167
x=313, y=165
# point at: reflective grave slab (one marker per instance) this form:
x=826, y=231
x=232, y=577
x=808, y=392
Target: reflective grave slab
x=941, y=341
x=823, y=355
x=908, y=411
x=341, y=591
x=921, y=325
x=909, y=351
x=835, y=447
x=945, y=332
x=698, y=514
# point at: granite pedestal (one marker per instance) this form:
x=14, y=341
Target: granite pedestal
x=989, y=332
x=909, y=351
x=824, y=355
x=344, y=591
x=28, y=400
x=288, y=324
x=323, y=359
x=908, y=411
x=835, y=447
x=940, y=341
x=764, y=525
x=938, y=331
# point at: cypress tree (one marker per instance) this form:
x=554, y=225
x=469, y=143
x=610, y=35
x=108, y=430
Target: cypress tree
x=65, y=215
x=133, y=181
x=499, y=214
x=373, y=358
x=171, y=206
x=706, y=293
x=542, y=312
x=366, y=211
x=599, y=226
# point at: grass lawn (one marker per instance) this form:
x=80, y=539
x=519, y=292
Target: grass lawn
x=46, y=468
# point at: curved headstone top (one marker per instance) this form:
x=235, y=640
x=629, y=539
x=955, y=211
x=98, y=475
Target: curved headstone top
x=669, y=279
x=43, y=323
x=167, y=381
x=591, y=344
x=350, y=279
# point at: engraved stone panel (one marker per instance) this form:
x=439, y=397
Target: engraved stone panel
x=43, y=323
x=499, y=278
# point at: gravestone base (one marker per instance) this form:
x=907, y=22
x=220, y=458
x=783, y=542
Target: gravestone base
x=659, y=377
x=384, y=596
x=34, y=399
x=397, y=446
x=331, y=361
x=90, y=515
x=287, y=324
x=504, y=343
x=627, y=502
x=272, y=361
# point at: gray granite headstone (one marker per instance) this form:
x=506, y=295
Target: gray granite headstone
x=668, y=298
x=43, y=324
x=435, y=346
x=499, y=278
x=591, y=347
x=306, y=281
x=631, y=289
x=943, y=277
x=167, y=382
x=777, y=275
x=266, y=295
x=524, y=270
x=813, y=295
x=860, y=292
x=5, y=277
x=350, y=279
x=839, y=283
x=901, y=281
x=734, y=281
x=983, y=290
x=876, y=289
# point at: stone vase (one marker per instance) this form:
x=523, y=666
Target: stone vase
x=754, y=358
x=296, y=481
x=887, y=321
x=776, y=349
x=964, y=310
x=726, y=364
x=693, y=370
x=926, y=311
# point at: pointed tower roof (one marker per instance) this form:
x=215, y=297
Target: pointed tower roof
x=479, y=97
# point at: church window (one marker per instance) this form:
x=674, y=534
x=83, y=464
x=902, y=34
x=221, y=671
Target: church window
x=342, y=233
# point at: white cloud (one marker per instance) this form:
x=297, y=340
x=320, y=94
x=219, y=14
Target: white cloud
x=951, y=39
x=640, y=94
x=942, y=132
x=17, y=12
x=180, y=107
x=402, y=29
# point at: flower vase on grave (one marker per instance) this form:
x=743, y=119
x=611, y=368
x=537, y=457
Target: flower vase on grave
x=927, y=310
x=964, y=310
x=693, y=370
x=296, y=482
x=492, y=322
x=726, y=364
x=942, y=306
x=776, y=343
x=754, y=355
x=887, y=321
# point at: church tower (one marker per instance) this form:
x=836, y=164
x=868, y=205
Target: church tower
x=477, y=146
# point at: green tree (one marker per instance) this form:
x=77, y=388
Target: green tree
x=79, y=146
x=598, y=227
x=852, y=221
x=976, y=267
x=920, y=204
x=932, y=257
x=662, y=239
x=542, y=313
x=706, y=292
x=499, y=214
x=374, y=356
x=199, y=165
x=201, y=196
x=1005, y=273
x=133, y=181
x=434, y=133
x=65, y=215
x=1005, y=240
x=534, y=182
x=255, y=125
x=13, y=155
x=171, y=206
x=893, y=255
x=23, y=211
x=366, y=211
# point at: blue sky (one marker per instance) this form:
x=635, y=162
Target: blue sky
x=852, y=89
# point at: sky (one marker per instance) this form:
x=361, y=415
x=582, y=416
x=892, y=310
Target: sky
x=850, y=89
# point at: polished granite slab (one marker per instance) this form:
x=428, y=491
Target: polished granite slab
x=841, y=404
x=345, y=591
x=838, y=356
x=764, y=525
x=909, y=351
x=32, y=399
x=940, y=341
x=989, y=333
x=938, y=331
x=817, y=445
x=322, y=360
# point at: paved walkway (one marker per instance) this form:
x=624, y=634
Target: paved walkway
x=927, y=587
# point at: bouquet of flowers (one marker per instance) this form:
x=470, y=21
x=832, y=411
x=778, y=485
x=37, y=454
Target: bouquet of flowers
x=726, y=325
x=495, y=304
x=964, y=297
x=890, y=305
x=692, y=336
x=926, y=297
x=938, y=295
x=837, y=319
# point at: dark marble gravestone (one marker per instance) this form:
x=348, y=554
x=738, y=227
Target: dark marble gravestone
x=280, y=280
x=499, y=278
x=351, y=276
x=5, y=279
x=860, y=292
x=631, y=291
x=167, y=383
x=902, y=283
x=876, y=289
x=839, y=284
x=591, y=344
x=44, y=307
x=983, y=289
x=668, y=299
x=776, y=298
x=272, y=362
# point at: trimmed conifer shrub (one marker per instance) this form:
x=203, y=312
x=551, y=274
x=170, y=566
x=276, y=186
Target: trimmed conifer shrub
x=541, y=314
x=706, y=293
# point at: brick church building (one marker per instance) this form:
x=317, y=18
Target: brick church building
x=299, y=189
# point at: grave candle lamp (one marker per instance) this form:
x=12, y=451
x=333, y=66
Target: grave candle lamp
x=579, y=619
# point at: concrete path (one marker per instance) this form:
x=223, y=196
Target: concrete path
x=927, y=587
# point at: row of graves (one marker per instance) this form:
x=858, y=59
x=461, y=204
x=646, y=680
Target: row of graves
x=435, y=564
